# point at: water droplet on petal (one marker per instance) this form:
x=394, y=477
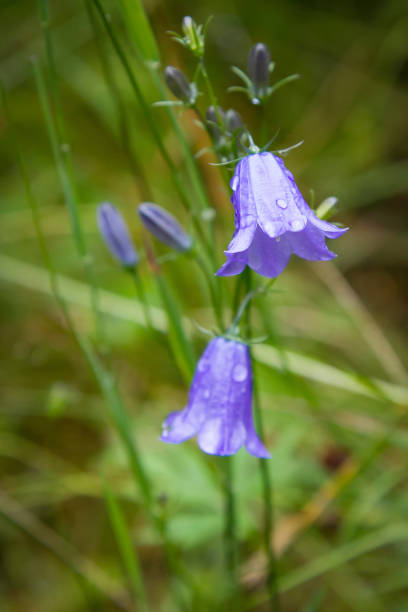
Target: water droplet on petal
x=298, y=224
x=239, y=373
x=206, y=394
x=282, y=203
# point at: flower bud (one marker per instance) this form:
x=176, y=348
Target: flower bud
x=233, y=121
x=164, y=226
x=258, y=67
x=115, y=234
x=178, y=84
x=213, y=121
x=194, y=37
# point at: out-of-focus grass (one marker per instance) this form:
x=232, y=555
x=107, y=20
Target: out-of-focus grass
x=341, y=530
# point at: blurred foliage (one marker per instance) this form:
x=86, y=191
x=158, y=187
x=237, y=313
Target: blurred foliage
x=342, y=531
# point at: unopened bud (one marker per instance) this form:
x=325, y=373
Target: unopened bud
x=116, y=235
x=164, y=226
x=213, y=118
x=178, y=84
x=233, y=121
x=193, y=36
x=258, y=67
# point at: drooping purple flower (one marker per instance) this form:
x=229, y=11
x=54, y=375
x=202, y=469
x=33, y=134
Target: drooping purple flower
x=272, y=220
x=116, y=235
x=164, y=226
x=219, y=408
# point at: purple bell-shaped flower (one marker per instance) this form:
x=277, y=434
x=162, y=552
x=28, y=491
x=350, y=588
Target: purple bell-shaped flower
x=272, y=220
x=219, y=409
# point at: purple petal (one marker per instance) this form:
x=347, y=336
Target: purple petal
x=178, y=427
x=310, y=244
x=235, y=263
x=115, y=233
x=275, y=204
x=254, y=445
x=221, y=437
x=330, y=230
x=245, y=210
x=269, y=256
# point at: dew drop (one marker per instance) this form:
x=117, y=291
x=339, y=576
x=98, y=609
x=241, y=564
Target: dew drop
x=206, y=394
x=239, y=373
x=282, y=203
x=298, y=224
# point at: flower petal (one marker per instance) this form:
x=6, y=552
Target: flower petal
x=235, y=263
x=245, y=211
x=275, y=203
x=269, y=256
x=179, y=427
x=221, y=437
x=310, y=244
x=254, y=445
x=330, y=230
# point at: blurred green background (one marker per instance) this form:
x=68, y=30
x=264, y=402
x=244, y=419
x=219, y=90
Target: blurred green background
x=338, y=436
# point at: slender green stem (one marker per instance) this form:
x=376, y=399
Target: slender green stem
x=112, y=396
x=266, y=479
x=61, y=151
x=182, y=348
x=231, y=552
x=214, y=290
x=211, y=94
x=187, y=202
x=117, y=99
x=127, y=551
x=142, y=298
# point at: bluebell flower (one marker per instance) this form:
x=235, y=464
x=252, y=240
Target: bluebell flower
x=164, y=226
x=115, y=234
x=272, y=220
x=219, y=409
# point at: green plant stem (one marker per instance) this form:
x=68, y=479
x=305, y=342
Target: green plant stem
x=142, y=298
x=266, y=480
x=109, y=390
x=61, y=151
x=127, y=551
x=154, y=128
x=231, y=552
x=182, y=348
x=214, y=290
x=117, y=98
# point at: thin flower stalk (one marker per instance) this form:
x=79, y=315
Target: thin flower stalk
x=69, y=192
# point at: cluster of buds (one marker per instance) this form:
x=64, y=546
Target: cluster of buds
x=158, y=221
x=224, y=128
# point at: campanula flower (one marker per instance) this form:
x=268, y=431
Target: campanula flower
x=164, y=226
x=219, y=408
x=272, y=220
x=115, y=234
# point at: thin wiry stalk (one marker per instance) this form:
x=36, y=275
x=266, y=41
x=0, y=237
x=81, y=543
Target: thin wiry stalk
x=187, y=202
x=266, y=480
x=61, y=151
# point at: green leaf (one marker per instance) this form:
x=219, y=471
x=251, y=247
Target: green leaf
x=139, y=30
